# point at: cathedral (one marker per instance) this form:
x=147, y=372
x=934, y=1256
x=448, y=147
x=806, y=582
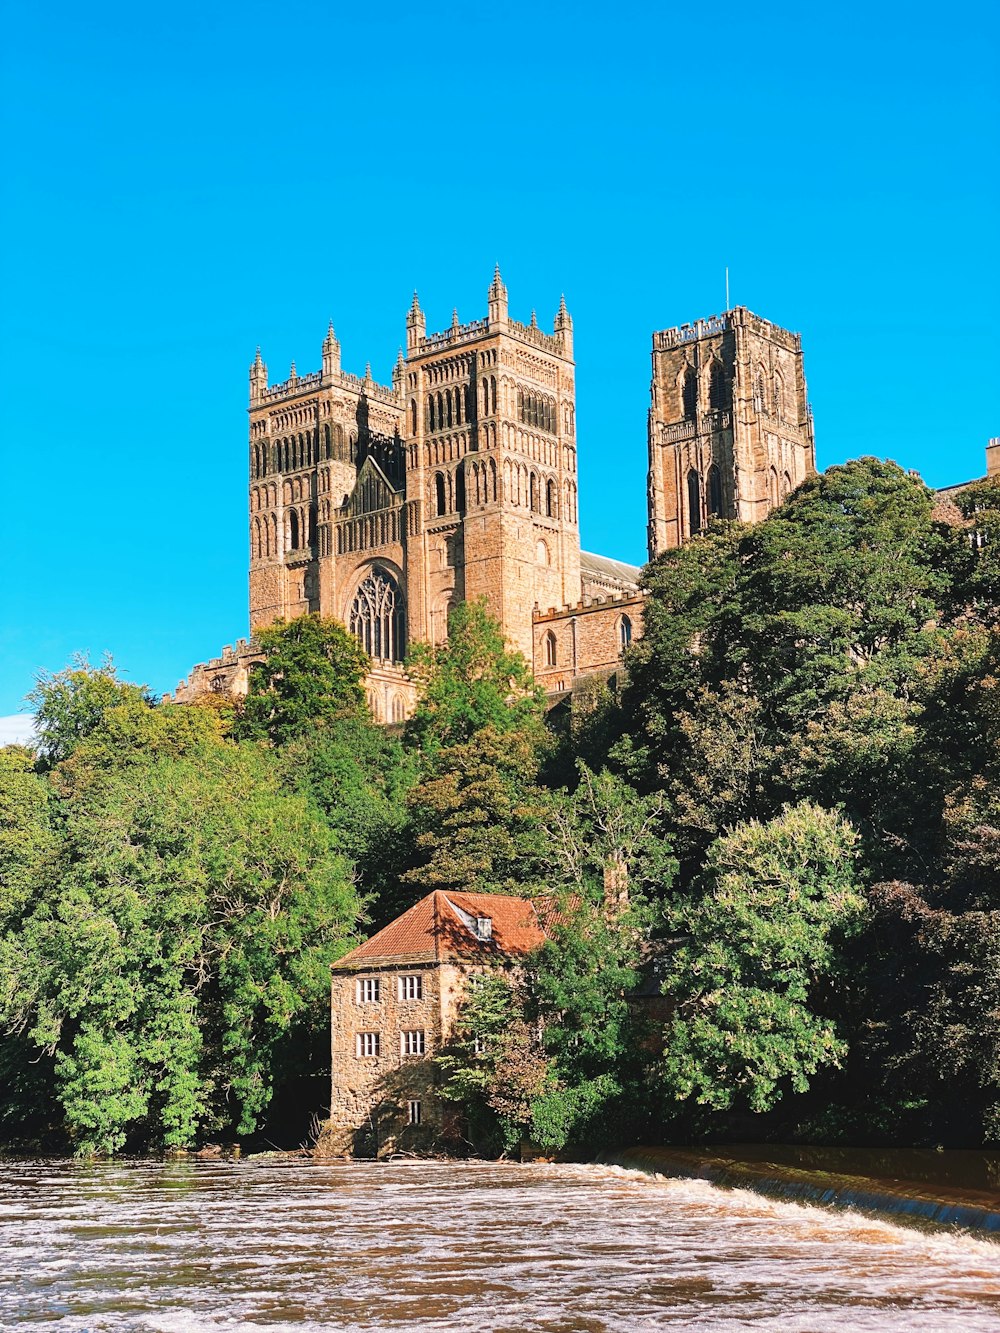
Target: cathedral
x=386, y=505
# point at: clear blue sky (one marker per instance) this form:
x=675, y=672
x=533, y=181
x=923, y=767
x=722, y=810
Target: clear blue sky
x=184, y=181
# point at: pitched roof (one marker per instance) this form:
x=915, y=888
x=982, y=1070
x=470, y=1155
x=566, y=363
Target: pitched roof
x=442, y=926
x=614, y=571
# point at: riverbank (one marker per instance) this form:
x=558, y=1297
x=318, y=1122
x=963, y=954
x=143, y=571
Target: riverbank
x=957, y=1190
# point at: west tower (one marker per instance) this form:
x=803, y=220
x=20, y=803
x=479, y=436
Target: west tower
x=491, y=461
x=730, y=430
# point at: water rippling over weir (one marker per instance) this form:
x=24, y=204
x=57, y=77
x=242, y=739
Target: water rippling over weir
x=187, y=1247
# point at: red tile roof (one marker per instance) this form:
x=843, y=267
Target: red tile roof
x=442, y=926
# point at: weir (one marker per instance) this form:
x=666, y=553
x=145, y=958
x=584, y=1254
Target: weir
x=955, y=1190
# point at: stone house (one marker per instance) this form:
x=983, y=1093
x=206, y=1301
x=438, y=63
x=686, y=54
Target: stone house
x=394, y=1003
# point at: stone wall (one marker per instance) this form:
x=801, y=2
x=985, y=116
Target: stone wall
x=370, y=1095
x=730, y=431
x=584, y=639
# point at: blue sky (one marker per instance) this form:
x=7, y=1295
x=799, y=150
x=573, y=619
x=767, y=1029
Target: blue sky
x=182, y=182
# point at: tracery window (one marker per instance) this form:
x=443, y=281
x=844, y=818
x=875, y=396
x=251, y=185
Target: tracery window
x=714, y=492
x=550, y=649
x=694, y=501
x=717, y=387
x=377, y=617
x=624, y=632
x=689, y=394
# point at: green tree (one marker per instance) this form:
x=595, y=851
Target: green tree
x=476, y=815
x=72, y=703
x=179, y=945
x=760, y=946
x=360, y=776
x=312, y=673
x=783, y=662
x=472, y=682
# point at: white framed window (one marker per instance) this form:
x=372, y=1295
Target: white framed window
x=411, y=988
x=368, y=1044
x=413, y=1113
x=368, y=990
x=412, y=1042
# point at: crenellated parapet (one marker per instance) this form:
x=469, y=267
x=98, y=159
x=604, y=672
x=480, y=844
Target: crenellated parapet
x=713, y=325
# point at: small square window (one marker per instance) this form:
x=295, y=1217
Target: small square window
x=412, y=1042
x=413, y=1113
x=368, y=1044
x=368, y=990
x=411, y=988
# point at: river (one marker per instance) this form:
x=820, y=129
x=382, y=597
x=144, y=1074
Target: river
x=186, y=1247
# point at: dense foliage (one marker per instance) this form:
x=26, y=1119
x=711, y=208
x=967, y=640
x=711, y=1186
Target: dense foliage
x=768, y=858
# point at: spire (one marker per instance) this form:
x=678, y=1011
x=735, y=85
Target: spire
x=258, y=379
x=331, y=354
x=293, y=373
x=563, y=327
x=416, y=325
x=534, y=320
x=454, y=317
x=497, y=300
x=399, y=356
x=368, y=372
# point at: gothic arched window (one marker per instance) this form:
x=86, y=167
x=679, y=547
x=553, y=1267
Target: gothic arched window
x=440, y=498
x=689, y=394
x=714, y=492
x=717, y=387
x=624, y=632
x=377, y=617
x=293, y=530
x=778, y=396
x=773, y=493
x=550, y=499
x=550, y=649
x=460, y=489
x=694, y=502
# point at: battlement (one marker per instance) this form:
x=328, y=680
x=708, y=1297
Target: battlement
x=458, y=333
x=229, y=673
x=738, y=317
x=296, y=385
x=586, y=604
x=532, y=334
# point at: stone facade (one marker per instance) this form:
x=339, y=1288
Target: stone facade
x=385, y=505
x=730, y=430
x=394, y=1004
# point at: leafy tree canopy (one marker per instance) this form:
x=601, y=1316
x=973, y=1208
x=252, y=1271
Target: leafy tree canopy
x=758, y=944
x=71, y=703
x=312, y=673
x=472, y=682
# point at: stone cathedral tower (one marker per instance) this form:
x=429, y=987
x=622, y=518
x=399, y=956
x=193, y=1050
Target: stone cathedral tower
x=385, y=505
x=730, y=430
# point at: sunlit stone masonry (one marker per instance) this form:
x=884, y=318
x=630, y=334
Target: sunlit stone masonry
x=385, y=505
x=395, y=1000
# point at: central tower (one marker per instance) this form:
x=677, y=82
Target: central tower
x=490, y=444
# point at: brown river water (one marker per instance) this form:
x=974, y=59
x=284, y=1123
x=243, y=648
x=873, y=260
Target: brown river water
x=173, y=1247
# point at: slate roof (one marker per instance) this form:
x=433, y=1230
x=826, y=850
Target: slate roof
x=603, y=567
x=441, y=927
